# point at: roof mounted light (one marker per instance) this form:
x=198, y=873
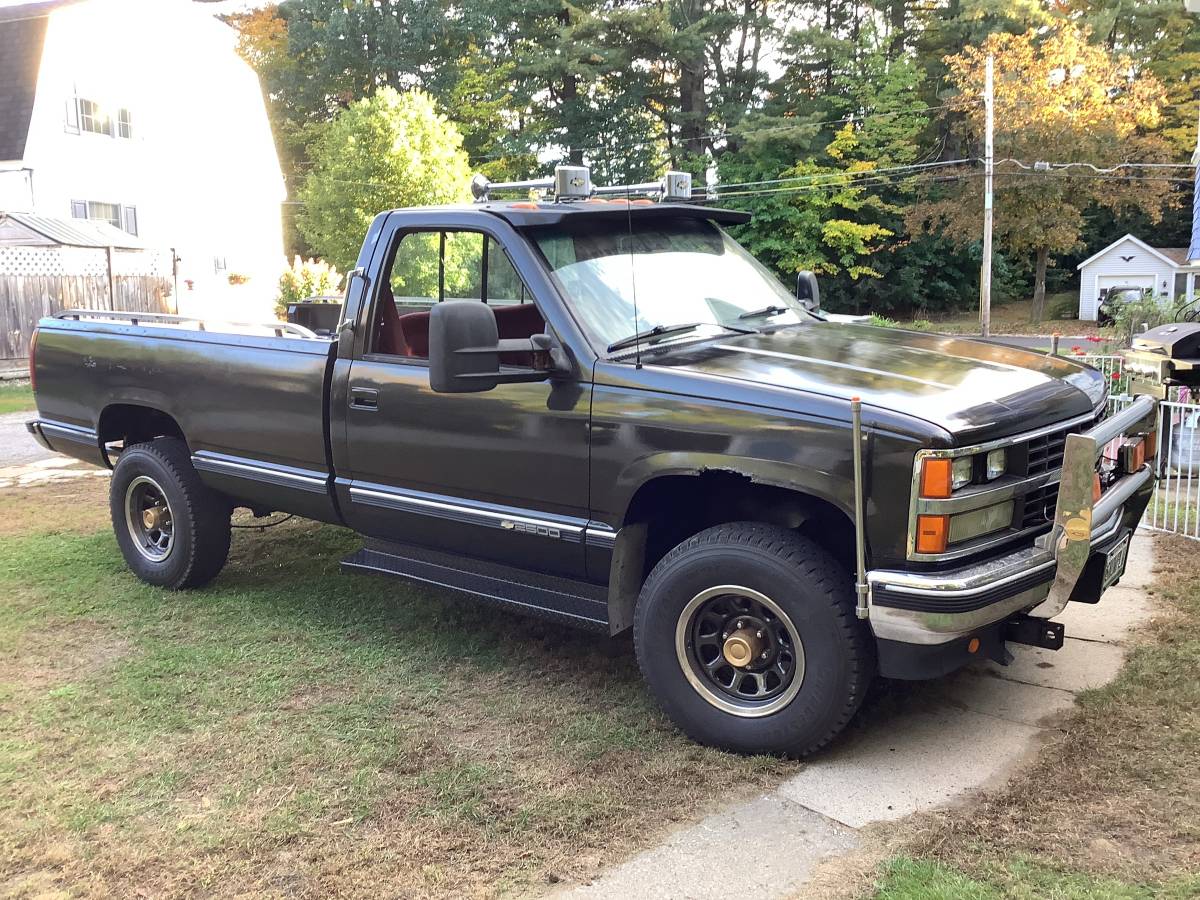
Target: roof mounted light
x=677, y=186
x=575, y=183
x=572, y=182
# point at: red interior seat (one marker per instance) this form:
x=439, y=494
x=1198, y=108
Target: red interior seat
x=415, y=328
x=389, y=336
x=519, y=321
x=408, y=334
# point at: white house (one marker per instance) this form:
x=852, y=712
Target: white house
x=140, y=113
x=1131, y=261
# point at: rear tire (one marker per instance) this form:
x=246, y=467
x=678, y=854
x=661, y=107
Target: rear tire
x=781, y=607
x=172, y=529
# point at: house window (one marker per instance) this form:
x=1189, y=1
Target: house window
x=92, y=118
x=116, y=215
x=88, y=115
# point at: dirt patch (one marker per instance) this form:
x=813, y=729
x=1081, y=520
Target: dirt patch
x=76, y=505
x=61, y=654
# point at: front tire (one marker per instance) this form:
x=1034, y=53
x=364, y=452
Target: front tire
x=172, y=529
x=747, y=637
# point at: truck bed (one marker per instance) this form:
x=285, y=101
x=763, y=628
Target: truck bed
x=251, y=400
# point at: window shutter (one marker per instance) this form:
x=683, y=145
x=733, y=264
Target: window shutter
x=129, y=219
x=78, y=209
x=72, y=120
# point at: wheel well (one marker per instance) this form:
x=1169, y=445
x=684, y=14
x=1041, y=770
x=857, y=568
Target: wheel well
x=129, y=423
x=674, y=507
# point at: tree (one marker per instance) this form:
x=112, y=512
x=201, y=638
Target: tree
x=385, y=151
x=1162, y=38
x=1059, y=99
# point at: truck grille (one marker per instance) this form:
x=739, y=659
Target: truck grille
x=1038, y=508
x=1045, y=453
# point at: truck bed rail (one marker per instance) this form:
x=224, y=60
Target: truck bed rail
x=150, y=318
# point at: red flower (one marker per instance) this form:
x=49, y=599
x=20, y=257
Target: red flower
x=1116, y=376
x=1078, y=350
x=1094, y=338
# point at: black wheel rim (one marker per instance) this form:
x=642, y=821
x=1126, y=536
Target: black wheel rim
x=149, y=519
x=740, y=650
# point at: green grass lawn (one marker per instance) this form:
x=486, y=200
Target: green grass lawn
x=15, y=397
x=294, y=730
x=1111, y=809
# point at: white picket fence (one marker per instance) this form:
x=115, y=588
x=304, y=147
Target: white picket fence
x=1175, y=504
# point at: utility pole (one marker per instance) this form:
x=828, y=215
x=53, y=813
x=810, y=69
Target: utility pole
x=985, y=274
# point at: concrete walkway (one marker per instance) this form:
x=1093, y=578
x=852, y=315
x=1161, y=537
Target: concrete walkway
x=17, y=446
x=24, y=461
x=914, y=747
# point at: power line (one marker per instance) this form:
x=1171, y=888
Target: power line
x=1042, y=166
x=882, y=181
x=841, y=175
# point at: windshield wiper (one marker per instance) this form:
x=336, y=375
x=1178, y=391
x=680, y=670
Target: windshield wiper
x=764, y=312
x=661, y=331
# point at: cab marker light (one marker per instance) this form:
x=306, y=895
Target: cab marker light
x=1150, y=442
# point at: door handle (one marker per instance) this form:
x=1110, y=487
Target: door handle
x=364, y=398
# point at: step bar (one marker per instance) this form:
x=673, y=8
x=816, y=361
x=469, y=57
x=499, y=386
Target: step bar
x=579, y=604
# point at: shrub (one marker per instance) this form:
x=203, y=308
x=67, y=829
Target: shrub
x=1063, y=307
x=883, y=321
x=306, y=278
x=1130, y=316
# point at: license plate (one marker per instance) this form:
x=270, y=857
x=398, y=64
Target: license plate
x=1114, y=562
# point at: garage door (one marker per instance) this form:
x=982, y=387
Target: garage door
x=1107, y=281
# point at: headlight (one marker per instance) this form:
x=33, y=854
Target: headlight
x=997, y=463
x=962, y=472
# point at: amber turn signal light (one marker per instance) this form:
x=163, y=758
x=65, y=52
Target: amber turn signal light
x=936, y=475
x=932, y=533
x=1150, y=442
x=1097, y=490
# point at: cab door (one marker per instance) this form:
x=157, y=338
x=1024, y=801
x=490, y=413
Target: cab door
x=498, y=475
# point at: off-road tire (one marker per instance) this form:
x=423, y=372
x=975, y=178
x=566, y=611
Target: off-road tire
x=200, y=516
x=811, y=588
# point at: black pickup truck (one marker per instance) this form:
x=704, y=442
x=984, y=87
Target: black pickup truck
x=609, y=413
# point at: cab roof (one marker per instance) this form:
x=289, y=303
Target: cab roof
x=527, y=214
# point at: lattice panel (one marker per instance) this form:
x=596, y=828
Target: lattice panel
x=86, y=261
x=36, y=261
x=154, y=263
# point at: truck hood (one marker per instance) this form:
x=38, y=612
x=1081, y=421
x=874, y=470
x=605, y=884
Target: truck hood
x=976, y=390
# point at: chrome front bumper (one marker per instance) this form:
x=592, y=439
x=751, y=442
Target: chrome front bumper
x=934, y=608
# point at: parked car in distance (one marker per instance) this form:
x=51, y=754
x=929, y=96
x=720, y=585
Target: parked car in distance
x=609, y=413
x=1116, y=297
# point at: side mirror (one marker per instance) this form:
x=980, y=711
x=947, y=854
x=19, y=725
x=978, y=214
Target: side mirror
x=807, y=291
x=465, y=348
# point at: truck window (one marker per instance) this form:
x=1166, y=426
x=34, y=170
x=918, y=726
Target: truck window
x=430, y=266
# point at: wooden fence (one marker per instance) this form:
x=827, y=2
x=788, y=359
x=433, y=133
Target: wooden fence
x=41, y=281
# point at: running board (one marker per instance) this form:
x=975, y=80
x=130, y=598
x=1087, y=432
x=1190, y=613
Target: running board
x=576, y=603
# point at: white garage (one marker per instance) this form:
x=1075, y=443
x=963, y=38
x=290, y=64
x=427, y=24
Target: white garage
x=1130, y=261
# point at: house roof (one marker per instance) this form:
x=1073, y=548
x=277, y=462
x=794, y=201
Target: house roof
x=1176, y=257
x=22, y=34
x=66, y=232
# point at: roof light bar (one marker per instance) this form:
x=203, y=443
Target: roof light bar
x=575, y=183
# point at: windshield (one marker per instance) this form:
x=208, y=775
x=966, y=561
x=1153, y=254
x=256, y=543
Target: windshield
x=684, y=271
